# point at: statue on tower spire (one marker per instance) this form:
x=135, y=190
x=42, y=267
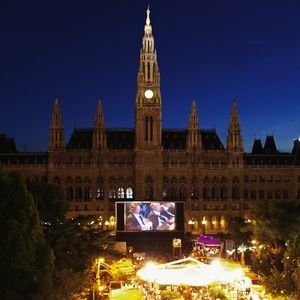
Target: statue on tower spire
x=148, y=27
x=148, y=16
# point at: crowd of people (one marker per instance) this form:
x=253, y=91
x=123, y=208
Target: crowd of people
x=150, y=216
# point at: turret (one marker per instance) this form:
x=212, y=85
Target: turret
x=56, y=141
x=194, y=137
x=99, y=137
x=234, y=138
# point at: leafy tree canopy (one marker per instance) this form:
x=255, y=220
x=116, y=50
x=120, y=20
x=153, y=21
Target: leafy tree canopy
x=239, y=230
x=27, y=261
x=276, y=221
x=50, y=199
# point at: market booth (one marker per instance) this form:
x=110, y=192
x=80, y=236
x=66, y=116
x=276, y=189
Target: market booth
x=206, y=247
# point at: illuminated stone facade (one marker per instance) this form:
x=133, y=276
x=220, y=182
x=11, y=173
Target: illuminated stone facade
x=99, y=166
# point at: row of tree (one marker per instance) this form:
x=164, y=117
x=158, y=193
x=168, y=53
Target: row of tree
x=275, y=232
x=43, y=255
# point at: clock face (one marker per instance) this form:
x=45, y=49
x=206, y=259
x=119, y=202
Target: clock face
x=148, y=94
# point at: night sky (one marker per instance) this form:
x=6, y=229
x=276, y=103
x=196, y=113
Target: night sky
x=209, y=51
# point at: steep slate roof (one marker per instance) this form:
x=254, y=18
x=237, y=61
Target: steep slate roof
x=210, y=140
x=269, y=155
x=257, y=147
x=7, y=145
x=174, y=138
x=296, y=152
x=270, y=146
x=82, y=138
x=120, y=138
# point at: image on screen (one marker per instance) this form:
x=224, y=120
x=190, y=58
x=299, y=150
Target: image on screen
x=150, y=216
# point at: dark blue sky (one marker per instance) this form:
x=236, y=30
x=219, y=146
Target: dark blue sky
x=208, y=51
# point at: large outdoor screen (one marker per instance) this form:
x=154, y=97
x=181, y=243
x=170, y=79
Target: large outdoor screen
x=149, y=216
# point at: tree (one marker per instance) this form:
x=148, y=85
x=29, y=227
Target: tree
x=239, y=231
x=50, y=199
x=277, y=228
x=276, y=221
x=27, y=261
x=286, y=280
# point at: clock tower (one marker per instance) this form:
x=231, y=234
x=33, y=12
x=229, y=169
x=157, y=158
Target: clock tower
x=148, y=141
x=148, y=97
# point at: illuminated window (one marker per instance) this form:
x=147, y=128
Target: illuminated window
x=100, y=193
x=112, y=194
x=129, y=193
x=121, y=193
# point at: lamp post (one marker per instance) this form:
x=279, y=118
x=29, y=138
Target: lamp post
x=99, y=261
x=106, y=225
x=242, y=248
x=191, y=223
x=203, y=225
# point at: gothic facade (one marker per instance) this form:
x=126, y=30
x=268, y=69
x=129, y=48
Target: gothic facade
x=99, y=166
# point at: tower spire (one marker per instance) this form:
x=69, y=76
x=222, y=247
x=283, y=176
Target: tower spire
x=234, y=138
x=56, y=141
x=194, y=138
x=99, y=137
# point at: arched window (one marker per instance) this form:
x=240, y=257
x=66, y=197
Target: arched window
x=100, y=193
x=235, y=192
x=182, y=192
x=223, y=192
x=121, y=193
x=214, y=193
x=223, y=224
x=87, y=193
x=129, y=193
x=174, y=192
x=165, y=191
x=112, y=193
x=206, y=192
x=70, y=193
x=149, y=191
x=78, y=193
x=194, y=192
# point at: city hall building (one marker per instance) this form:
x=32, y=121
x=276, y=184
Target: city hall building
x=97, y=166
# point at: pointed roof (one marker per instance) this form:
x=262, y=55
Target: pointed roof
x=193, y=122
x=194, y=106
x=296, y=151
x=234, y=117
x=270, y=146
x=56, y=106
x=99, y=117
x=7, y=145
x=257, y=147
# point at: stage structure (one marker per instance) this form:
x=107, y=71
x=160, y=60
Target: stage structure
x=206, y=247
